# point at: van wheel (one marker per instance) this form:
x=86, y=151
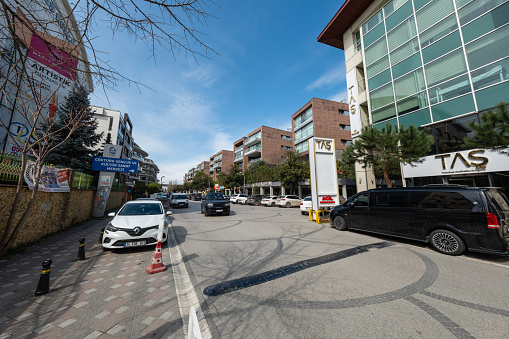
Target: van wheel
x=339, y=223
x=447, y=242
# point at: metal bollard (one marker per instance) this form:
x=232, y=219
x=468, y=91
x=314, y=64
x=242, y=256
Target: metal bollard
x=101, y=236
x=43, y=285
x=81, y=250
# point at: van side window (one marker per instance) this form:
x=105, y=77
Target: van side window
x=440, y=199
x=361, y=200
x=392, y=199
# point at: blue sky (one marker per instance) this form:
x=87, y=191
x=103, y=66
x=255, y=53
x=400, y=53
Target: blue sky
x=269, y=65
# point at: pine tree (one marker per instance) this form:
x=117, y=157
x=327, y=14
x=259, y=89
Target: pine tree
x=492, y=132
x=76, y=152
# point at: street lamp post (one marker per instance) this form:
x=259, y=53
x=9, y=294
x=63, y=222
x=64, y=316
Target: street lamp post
x=162, y=183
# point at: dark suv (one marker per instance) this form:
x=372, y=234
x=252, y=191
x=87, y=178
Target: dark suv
x=451, y=218
x=255, y=199
x=215, y=203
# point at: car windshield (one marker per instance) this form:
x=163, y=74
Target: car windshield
x=179, y=196
x=307, y=199
x=214, y=196
x=141, y=209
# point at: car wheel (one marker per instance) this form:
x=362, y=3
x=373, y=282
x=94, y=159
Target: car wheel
x=303, y=213
x=257, y=203
x=273, y=204
x=288, y=205
x=339, y=223
x=447, y=242
x=227, y=213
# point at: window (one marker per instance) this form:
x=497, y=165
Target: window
x=361, y=200
x=346, y=142
x=286, y=148
x=303, y=117
x=393, y=199
x=433, y=13
x=447, y=67
x=110, y=127
x=286, y=137
x=345, y=113
x=357, y=39
x=446, y=200
x=344, y=127
x=371, y=23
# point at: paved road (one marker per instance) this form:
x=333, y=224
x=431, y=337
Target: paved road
x=269, y=273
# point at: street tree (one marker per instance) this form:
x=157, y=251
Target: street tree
x=43, y=56
x=293, y=170
x=259, y=171
x=234, y=178
x=202, y=181
x=153, y=187
x=76, y=152
x=386, y=148
x=492, y=132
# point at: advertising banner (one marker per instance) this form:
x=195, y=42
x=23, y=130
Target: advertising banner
x=52, y=179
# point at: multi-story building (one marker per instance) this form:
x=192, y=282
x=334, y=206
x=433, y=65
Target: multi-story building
x=202, y=166
x=440, y=64
x=324, y=119
x=238, y=150
x=147, y=169
x=267, y=144
x=222, y=161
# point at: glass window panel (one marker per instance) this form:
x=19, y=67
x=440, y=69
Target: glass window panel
x=394, y=5
x=402, y=33
x=460, y=3
x=418, y=118
x=492, y=96
x=392, y=122
x=404, y=51
x=409, y=84
x=488, y=49
x=401, y=14
x=491, y=74
x=376, y=51
x=433, y=13
x=412, y=103
x=449, y=89
x=453, y=108
x=407, y=65
x=384, y=113
x=449, y=66
x=488, y=22
x=439, y=30
x=381, y=96
x=373, y=35
x=371, y=23
x=441, y=47
x=476, y=9
x=380, y=79
x=418, y=4
x=377, y=67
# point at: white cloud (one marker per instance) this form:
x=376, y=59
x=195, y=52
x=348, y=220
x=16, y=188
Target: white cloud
x=339, y=96
x=332, y=77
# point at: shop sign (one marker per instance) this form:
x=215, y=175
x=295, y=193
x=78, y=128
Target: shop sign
x=456, y=163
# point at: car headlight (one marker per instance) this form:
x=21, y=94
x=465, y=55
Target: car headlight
x=112, y=228
x=226, y=205
x=210, y=205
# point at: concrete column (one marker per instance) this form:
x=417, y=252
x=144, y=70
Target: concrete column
x=283, y=191
x=262, y=190
x=299, y=191
x=271, y=190
x=344, y=192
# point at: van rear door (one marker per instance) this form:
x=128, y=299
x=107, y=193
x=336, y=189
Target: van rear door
x=500, y=207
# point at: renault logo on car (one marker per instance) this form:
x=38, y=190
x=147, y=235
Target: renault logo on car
x=137, y=230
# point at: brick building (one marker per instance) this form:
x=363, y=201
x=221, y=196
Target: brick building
x=222, y=161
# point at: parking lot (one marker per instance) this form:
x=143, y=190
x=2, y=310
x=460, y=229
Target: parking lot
x=267, y=272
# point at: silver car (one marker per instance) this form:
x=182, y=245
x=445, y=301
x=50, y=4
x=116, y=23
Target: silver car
x=288, y=201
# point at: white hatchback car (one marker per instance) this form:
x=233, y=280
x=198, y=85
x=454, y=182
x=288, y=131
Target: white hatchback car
x=135, y=224
x=241, y=199
x=306, y=205
x=233, y=198
x=288, y=201
x=179, y=200
x=269, y=201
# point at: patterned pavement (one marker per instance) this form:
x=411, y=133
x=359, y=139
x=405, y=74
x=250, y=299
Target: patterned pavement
x=107, y=295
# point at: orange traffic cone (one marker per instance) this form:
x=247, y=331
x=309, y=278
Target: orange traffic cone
x=157, y=261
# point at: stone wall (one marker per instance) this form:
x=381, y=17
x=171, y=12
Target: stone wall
x=51, y=213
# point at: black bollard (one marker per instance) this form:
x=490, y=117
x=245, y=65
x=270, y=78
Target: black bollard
x=100, y=241
x=43, y=285
x=81, y=250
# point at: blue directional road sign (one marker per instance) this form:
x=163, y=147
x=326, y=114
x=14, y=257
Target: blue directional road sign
x=114, y=165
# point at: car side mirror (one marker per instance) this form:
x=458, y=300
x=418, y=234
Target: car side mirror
x=169, y=213
x=351, y=204
x=112, y=214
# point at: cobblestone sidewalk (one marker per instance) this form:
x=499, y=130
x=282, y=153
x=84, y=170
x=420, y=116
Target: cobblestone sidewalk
x=108, y=295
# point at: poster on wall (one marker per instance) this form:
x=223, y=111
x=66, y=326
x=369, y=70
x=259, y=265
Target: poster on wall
x=52, y=179
x=51, y=71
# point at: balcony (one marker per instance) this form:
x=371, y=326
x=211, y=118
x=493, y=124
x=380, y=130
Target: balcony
x=302, y=138
x=239, y=158
x=254, y=151
x=300, y=125
x=239, y=149
x=256, y=138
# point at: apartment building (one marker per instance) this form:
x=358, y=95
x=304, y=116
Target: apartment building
x=222, y=161
x=267, y=144
x=324, y=119
x=204, y=166
x=238, y=149
x=439, y=64
x=147, y=169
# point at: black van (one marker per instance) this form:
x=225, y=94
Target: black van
x=451, y=218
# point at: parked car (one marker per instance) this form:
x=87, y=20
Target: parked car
x=269, y=200
x=179, y=200
x=215, y=203
x=255, y=199
x=306, y=205
x=241, y=199
x=233, y=198
x=136, y=224
x=288, y=201
x=197, y=196
x=451, y=218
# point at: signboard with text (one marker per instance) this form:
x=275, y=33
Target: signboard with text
x=114, y=165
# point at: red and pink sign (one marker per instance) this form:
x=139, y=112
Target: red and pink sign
x=52, y=57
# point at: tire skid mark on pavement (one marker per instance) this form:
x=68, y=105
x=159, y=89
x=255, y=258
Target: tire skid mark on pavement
x=237, y=284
